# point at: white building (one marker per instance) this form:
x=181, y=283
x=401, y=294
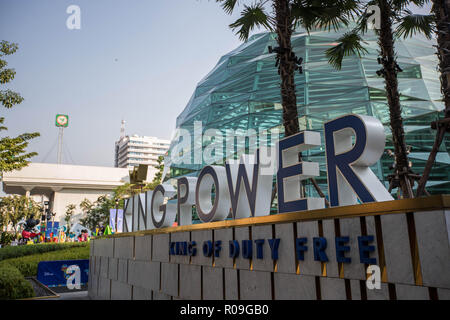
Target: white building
x=63, y=184
x=134, y=150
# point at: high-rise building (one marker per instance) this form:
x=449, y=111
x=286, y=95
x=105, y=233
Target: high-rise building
x=134, y=150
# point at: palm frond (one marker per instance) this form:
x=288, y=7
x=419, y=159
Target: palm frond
x=228, y=5
x=325, y=14
x=252, y=16
x=403, y=4
x=363, y=20
x=415, y=23
x=349, y=44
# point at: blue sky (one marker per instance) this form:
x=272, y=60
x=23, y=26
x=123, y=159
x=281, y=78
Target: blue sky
x=137, y=60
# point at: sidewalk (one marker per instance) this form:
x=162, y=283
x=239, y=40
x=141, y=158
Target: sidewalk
x=78, y=295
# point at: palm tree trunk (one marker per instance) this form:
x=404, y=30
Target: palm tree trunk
x=288, y=97
x=441, y=9
x=386, y=43
x=287, y=69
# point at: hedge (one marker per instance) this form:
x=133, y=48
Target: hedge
x=13, y=285
x=27, y=265
x=25, y=250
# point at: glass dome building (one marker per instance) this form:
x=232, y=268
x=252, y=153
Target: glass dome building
x=243, y=92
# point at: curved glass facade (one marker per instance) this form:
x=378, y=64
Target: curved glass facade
x=243, y=92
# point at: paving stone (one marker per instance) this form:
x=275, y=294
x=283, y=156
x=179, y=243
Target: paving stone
x=120, y=290
x=141, y=293
x=309, y=230
x=406, y=292
x=378, y=294
x=355, y=289
x=97, y=264
x=190, y=282
x=432, y=232
x=242, y=233
x=160, y=247
x=169, y=279
x=330, y=234
x=397, y=250
x=443, y=294
x=262, y=233
x=104, y=264
x=351, y=227
x=113, y=268
x=231, y=284
x=255, y=285
x=143, y=248
x=200, y=237
x=124, y=247
x=286, y=262
x=144, y=274
x=224, y=235
x=212, y=281
x=290, y=286
x=157, y=295
x=332, y=289
x=91, y=248
x=104, y=247
x=122, y=270
x=93, y=286
x=104, y=288
x=180, y=237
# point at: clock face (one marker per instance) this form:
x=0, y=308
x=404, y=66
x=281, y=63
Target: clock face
x=62, y=120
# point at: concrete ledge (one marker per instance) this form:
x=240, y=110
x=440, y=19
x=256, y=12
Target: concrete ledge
x=169, y=279
x=142, y=293
x=332, y=289
x=144, y=274
x=143, y=248
x=120, y=290
x=104, y=247
x=124, y=248
x=190, y=282
x=255, y=285
x=294, y=287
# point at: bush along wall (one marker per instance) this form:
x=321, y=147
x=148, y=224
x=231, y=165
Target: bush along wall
x=20, y=251
x=13, y=271
x=13, y=285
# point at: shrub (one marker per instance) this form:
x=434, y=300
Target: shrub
x=13, y=285
x=6, y=238
x=27, y=265
x=20, y=251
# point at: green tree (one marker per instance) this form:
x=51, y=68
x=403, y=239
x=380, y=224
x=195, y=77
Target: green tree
x=158, y=175
x=13, y=154
x=96, y=212
x=15, y=208
x=395, y=20
x=70, y=210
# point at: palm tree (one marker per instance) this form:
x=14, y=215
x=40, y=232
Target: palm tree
x=441, y=13
x=285, y=15
x=390, y=12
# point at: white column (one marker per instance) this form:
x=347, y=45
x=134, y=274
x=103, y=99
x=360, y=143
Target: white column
x=28, y=190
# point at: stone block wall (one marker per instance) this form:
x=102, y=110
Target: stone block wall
x=412, y=250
